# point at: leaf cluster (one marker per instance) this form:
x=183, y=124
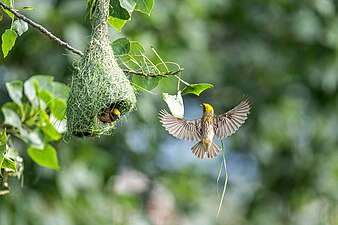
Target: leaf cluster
x=36, y=116
x=121, y=10
x=18, y=27
x=147, y=74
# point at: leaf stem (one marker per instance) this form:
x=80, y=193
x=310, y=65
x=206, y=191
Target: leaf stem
x=184, y=82
x=159, y=57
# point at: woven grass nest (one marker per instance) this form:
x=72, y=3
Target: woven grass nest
x=98, y=82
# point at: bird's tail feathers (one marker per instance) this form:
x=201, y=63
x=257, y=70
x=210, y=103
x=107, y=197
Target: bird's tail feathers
x=199, y=149
x=214, y=150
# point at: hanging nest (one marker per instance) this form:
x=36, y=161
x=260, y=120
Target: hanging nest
x=98, y=83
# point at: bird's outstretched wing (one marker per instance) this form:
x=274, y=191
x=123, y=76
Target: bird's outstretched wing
x=229, y=122
x=188, y=130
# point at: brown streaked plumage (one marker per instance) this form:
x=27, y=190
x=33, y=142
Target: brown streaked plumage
x=203, y=130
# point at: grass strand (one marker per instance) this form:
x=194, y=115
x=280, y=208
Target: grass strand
x=223, y=165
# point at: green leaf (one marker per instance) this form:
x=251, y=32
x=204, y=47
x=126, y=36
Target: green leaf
x=144, y=6
x=30, y=92
x=129, y=5
x=54, y=95
x=36, y=138
x=29, y=8
x=60, y=91
x=25, y=134
x=8, y=41
x=135, y=60
x=20, y=27
x=11, y=118
x=15, y=89
x=117, y=11
x=121, y=46
x=116, y=23
x=57, y=106
x=37, y=82
x=8, y=164
x=58, y=109
x=3, y=146
x=136, y=48
x=47, y=127
x=46, y=157
x=130, y=62
x=147, y=83
x=45, y=82
x=31, y=121
x=9, y=3
x=3, y=138
x=118, y=16
x=1, y=16
x=46, y=97
x=196, y=89
x=13, y=106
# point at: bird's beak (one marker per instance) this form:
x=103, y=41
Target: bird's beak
x=118, y=116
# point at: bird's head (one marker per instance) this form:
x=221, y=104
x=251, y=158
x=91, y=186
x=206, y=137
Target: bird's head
x=207, y=108
x=116, y=112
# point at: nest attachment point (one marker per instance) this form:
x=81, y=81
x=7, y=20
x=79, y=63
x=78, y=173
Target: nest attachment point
x=98, y=83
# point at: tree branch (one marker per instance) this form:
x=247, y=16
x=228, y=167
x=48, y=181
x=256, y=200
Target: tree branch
x=76, y=51
x=41, y=29
x=164, y=74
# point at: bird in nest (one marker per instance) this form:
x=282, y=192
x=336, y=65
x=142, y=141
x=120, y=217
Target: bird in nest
x=204, y=129
x=109, y=115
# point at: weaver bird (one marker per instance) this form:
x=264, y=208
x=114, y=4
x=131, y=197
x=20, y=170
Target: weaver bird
x=109, y=115
x=204, y=129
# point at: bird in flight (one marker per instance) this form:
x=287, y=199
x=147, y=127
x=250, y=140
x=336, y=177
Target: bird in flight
x=204, y=129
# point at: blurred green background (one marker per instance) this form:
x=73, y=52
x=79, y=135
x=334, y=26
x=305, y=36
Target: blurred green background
x=282, y=164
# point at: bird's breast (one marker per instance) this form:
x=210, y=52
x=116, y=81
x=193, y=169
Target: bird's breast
x=207, y=129
x=211, y=134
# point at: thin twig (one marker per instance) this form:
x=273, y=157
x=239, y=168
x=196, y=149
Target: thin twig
x=41, y=29
x=158, y=56
x=166, y=74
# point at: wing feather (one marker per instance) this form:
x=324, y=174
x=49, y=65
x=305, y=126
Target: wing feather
x=229, y=122
x=188, y=130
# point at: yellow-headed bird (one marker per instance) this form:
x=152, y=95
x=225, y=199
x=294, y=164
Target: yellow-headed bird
x=109, y=115
x=203, y=130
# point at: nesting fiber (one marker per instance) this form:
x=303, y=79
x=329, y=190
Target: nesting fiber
x=98, y=82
